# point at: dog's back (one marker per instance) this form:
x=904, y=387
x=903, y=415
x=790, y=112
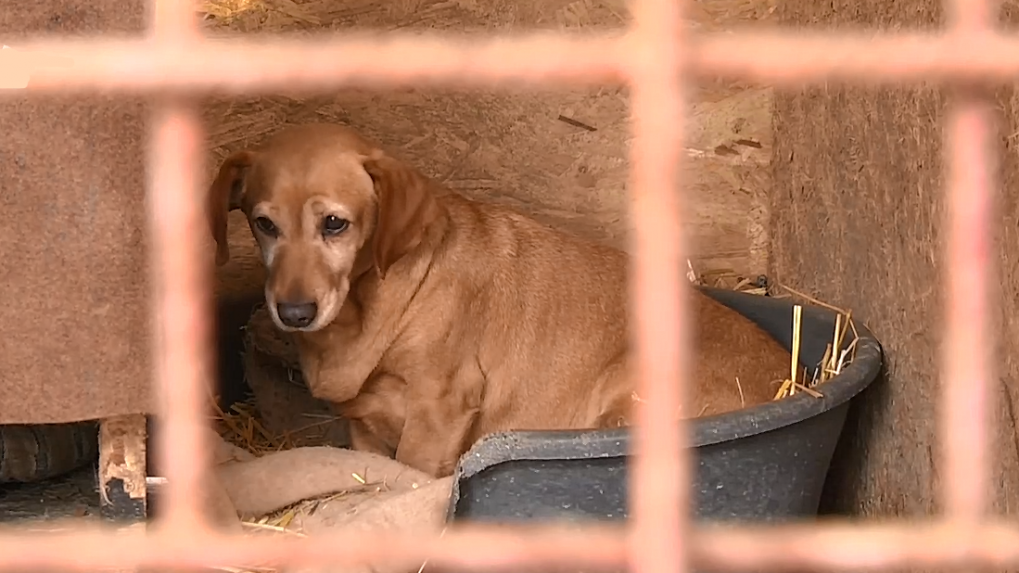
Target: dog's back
x=736, y=363
x=553, y=337
x=542, y=315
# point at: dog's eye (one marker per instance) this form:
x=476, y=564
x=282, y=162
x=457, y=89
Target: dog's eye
x=266, y=226
x=333, y=225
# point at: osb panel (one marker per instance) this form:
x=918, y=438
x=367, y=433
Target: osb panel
x=857, y=220
x=514, y=147
x=75, y=342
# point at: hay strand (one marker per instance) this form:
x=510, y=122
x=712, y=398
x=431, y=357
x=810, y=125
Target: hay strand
x=797, y=327
x=837, y=354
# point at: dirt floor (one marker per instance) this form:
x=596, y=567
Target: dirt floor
x=558, y=155
x=74, y=495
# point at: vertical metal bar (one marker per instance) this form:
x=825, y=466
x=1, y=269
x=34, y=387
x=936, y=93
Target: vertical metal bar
x=967, y=368
x=181, y=281
x=658, y=486
x=971, y=16
x=967, y=354
x=174, y=22
x=181, y=305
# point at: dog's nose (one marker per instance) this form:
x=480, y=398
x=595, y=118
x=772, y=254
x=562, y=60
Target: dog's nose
x=297, y=315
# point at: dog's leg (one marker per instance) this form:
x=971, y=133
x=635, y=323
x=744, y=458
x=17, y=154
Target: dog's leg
x=616, y=415
x=362, y=439
x=613, y=397
x=440, y=423
x=435, y=447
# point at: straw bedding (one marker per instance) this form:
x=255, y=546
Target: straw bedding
x=282, y=468
x=838, y=354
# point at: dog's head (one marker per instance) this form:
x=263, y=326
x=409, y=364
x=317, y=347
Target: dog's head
x=324, y=205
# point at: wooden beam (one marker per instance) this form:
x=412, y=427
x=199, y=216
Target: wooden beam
x=122, y=472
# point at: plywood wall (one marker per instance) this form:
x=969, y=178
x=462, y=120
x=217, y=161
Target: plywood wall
x=560, y=155
x=857, y=220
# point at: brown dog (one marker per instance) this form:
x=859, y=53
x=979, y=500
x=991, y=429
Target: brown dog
x=430, y=320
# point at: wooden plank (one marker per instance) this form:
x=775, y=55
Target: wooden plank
x=122, y=472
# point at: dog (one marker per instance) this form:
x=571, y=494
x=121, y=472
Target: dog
x=430, y=320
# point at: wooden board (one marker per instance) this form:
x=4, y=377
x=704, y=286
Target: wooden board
x=858, y=221
x=560, y=155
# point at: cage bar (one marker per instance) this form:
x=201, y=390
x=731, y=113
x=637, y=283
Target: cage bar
x=966, y=362
x=658, y=494
x=174, y=22
x=826, y=546
x=970, y=16
x=966, y=353
x=462, y=548
x=847, y=545
x=183, y=335
x=183, y=311
x=653, y=57
x=246, y=66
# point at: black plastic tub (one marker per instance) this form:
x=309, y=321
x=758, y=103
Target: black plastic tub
x=765, y=463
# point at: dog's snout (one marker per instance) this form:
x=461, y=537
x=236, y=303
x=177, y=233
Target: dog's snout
x=297, y=315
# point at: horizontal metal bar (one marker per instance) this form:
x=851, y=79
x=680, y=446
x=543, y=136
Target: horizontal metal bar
x=237, y=65
x=247, y=66
x=858, y=546
x=836, y=545
x=877, y=58
x=462, y=547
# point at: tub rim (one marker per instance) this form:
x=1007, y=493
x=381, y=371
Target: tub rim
x=537, y=445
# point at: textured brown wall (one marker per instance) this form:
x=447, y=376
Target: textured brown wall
x=857, y=220
x=73, y=288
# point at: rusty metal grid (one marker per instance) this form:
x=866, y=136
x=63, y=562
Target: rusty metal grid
x=654, y=57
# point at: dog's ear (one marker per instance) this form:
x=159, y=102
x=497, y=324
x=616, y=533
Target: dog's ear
x=406, y=208
x=224, y=196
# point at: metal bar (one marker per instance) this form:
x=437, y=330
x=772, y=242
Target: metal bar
x=658, y=483
x=855, y=546
x=966, y=352
x=174, y=22
x=826, y=546
x=859, y=57
x=140, y=66
x=476, y=547
x=172, y=60
x=971, y=16
x=182, y=283
x=182, y=306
